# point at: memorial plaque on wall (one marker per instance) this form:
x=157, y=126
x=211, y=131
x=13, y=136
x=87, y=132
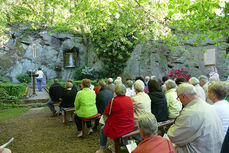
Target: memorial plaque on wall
x=209, y=57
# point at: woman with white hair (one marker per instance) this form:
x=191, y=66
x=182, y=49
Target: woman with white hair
x=147, y=125
x=120, y=118
x=174, y=105
x=199, y=90
x=142, y=102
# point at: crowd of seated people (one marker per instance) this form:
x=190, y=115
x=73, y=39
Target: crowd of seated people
x=199, y=107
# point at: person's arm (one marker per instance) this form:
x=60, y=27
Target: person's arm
x=77, y=102
x=1, y=150
x=185, y=129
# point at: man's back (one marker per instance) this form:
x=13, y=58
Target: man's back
x=56, y=92
x=102, y=99
x=197, y=129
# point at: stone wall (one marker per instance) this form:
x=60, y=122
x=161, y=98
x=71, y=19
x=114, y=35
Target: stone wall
x=150, y=60
x=16, y=56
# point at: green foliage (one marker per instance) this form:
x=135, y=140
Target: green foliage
x=87, y=72
x=7, y=106
x=3, y=80
x=3, y=94
x=12, y=112
x=15, y=91
x=23, y=78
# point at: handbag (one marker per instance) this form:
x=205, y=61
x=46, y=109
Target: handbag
x=104, y=117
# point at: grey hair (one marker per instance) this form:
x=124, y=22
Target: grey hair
x=153, y=77
x=186, y=89
x=139, y=85
x=129, y=83
x=203, y=78
x=194, y=81
x=119, y=78
x=120, y=89
x=116, y=82
x=170, y=84
x=109, y=80
x=69, y=85
x=102, y=83
x=147, y=78
x=219, y=89
x=148, y=124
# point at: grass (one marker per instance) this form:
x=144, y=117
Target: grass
x=12, y=112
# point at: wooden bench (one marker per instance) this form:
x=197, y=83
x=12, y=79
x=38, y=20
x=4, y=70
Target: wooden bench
x=53, y=108
x=68, y=110
x=85, y=119
x=135, y=132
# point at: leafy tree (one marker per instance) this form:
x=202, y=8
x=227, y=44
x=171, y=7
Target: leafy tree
x=116, y=26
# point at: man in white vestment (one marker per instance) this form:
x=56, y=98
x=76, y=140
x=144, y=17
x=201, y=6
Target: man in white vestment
x=198, y=128
x=217, y=93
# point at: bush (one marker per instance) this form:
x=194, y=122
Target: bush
x=3, y=80
x=3, y=93
x=88, y=72
x=23, y=78
x=14, y=91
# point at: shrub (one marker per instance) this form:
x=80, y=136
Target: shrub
x=3, y=80
x=14, y=91
x=23, y=78
x=177, y=73
x=3, y=93
x=88, y=72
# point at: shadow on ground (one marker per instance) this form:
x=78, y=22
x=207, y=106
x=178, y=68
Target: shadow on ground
x=37, y=132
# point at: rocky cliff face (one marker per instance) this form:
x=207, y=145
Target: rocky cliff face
x=27, y=50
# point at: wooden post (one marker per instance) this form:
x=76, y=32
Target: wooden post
x=34, y=91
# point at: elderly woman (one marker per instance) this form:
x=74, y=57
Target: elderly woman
x=158, y=101
x=147, y=125
x=85, y=105
x=129, y=91
x=174, y=105
x=141, y=101
x=120, y=121
x=199, y=90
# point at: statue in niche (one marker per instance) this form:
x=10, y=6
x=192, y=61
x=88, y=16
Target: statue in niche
x=69, y=59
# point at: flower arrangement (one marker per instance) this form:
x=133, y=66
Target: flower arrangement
x=177, y=73
x=58, y=68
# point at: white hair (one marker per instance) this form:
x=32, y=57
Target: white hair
x=148, y=124
x=186, y=89
x=120, y=89
x=153, y=77
x=109, y=80
x=203, y=78
x=194, y=81
x=139, y=85
x=147, y=78
x=119, y=78
x=170, y=84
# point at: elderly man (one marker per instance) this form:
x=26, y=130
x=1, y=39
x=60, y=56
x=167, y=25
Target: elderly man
x=102, y=99
x=141, y=101
x=204, y=82
x=198, y=128
x=55, y=92
x=217, y=94
x=199, y=90
x=147, y=125
x=174, y=105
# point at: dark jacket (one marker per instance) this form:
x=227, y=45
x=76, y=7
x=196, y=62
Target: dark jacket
x=159, y=106
x=56, y=92
x=102, y=99
x=68, y=98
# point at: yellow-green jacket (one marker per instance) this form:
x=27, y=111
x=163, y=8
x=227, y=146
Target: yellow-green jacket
x=85, y=103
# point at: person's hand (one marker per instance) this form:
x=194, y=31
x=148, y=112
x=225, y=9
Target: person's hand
x=1, y=150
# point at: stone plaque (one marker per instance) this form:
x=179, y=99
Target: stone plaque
x=209, y=57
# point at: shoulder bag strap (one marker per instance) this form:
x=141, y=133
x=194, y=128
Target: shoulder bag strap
x=111, y=106
x=169, y=147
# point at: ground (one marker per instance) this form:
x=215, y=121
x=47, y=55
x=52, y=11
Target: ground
x=37, y=132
